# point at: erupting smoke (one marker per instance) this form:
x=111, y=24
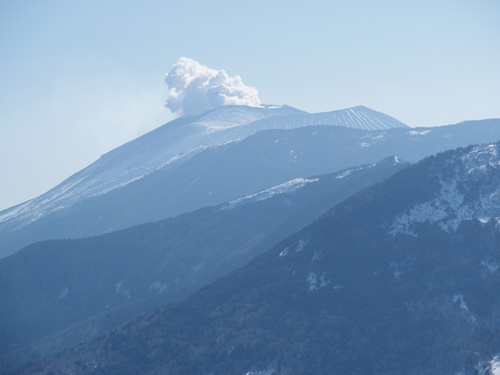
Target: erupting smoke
x=195, y=88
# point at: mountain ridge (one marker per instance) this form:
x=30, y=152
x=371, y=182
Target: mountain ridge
x=162, y=261
x=342, y=295
x=218, y=174
x=358, y=117
x=138, y=158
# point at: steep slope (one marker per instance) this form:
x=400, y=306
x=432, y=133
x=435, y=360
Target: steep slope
x=359, y=117
x=400, y=279
x=227, y=172
x=167, y=147
x=72, y=280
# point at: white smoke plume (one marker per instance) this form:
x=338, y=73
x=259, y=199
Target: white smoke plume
x=196, y=88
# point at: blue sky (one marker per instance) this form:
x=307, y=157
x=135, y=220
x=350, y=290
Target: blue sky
x=80, y=78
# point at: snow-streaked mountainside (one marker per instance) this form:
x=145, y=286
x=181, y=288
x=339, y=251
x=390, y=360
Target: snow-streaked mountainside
x=469, y=191
x=344, y=295
x=165, y=146
x=217, y=174
x=358, y=117
x=176, y=142
x=160, y=262
x=286, y=187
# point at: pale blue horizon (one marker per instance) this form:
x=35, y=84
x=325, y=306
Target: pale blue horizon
x=80, y=78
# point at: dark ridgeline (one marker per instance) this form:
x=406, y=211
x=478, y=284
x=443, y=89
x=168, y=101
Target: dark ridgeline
x=218, y=174
x=56, y=294
x=402, y=278
x=70, y=209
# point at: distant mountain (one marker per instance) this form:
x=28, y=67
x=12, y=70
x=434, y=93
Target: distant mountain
x=165, y=146
x=223, y=173
x=402, y=278
x=172, y=144
x=359, y=117
x=70, y=281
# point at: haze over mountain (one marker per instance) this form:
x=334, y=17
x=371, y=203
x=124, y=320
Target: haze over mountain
x=99, y=74
x=179, y=140
x=84, y=288
x=193, y=162
x=308, y=236
x=401, y=278
x=165, y=149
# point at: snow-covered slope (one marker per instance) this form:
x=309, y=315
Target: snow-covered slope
x=166, y=146
x=343, y=295
x=172, y=144
x=136, y=184
x=359, y=117
x=177, y=255
x=470, y=191
x=284, y=188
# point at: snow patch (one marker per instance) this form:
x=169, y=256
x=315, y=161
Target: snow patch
x=495, y=365
x=422, y=132
x=64, y=293
x=300, y=245
x=397, y=271
x=491, y=367
x=159, y=286
x=324, y=281
x=434, y=211
x=262, y=372
x=298, y=248
x=315, y=257
x=312, y=281
x=120, y=291
x=459, y=298
x=348, y=172
x=480, y=158
x=490, y=264
x=344, y=174
x=123, y=184
x=289, y=267
x=284, y=188
x=448, y=210
x=470, y=196
x=398, y=267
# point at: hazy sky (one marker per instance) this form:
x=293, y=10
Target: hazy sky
x=78, y=78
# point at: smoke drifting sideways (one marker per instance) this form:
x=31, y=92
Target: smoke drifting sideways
x=195, y=88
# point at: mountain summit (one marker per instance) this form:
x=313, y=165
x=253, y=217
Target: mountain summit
x=169, y=146
x=358, y=117
x=223, y=154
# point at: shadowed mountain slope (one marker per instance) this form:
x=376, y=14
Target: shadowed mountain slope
x=169, y=146
x=87, y=287
x=403, y=277
x=227, y=172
